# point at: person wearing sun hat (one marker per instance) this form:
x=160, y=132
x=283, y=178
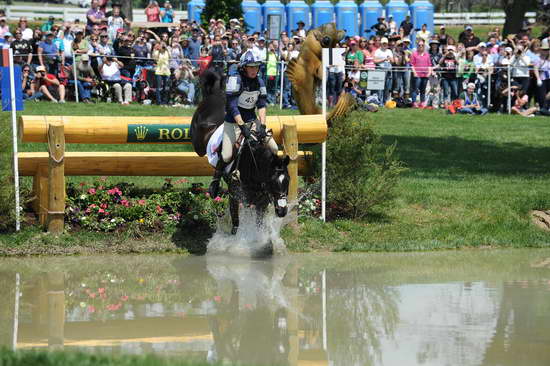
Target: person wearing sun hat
x=542, y=76
x=383, y=58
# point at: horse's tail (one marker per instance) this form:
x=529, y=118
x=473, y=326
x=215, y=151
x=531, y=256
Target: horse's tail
x=212, y=82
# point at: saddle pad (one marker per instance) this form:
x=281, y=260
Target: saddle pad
x=214, y=145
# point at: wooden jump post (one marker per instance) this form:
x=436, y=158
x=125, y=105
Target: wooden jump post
x=50, y=168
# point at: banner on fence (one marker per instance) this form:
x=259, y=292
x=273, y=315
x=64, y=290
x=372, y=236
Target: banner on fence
x=375, y=79
x=159, y=133
x=6, y=91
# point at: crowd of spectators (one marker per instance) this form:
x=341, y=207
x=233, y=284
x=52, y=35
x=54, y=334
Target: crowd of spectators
x=438, y=71
x=113, y=61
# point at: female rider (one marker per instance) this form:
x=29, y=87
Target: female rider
x=245, y=91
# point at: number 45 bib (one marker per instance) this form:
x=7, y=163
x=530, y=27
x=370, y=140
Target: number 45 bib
x=248, y=99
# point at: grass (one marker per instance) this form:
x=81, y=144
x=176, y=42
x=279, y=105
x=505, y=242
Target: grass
x=59, y=358
x=471, y=183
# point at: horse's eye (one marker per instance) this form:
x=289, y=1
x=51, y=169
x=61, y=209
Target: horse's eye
x=326, y=41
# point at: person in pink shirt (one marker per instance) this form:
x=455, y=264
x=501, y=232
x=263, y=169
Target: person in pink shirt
x=422, y=69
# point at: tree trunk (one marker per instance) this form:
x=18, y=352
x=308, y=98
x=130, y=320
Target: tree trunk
x=127, y=9
x=515, y=15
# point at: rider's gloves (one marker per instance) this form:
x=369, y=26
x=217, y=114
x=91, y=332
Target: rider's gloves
x=245, y=131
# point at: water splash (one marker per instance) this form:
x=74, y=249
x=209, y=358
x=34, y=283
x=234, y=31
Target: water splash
x=250, y=240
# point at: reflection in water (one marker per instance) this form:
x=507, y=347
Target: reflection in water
x=430, y=309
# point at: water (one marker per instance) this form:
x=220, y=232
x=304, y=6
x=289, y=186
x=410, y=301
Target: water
x=448, y=308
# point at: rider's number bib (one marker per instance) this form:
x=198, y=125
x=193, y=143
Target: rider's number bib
x=248, y=99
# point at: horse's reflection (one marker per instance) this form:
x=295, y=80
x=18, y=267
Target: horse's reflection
x=253, y=310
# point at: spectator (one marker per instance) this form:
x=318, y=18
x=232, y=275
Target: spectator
x=468, y=38
x=392, y=26
x=4, y=29
x=152, y=11
x=80, y=45
x=27, y=85
x=380, y=28
x=271, y=73
x=167, y=13
x=520, y=71
x=184, y=77
x=422, y=70
x=48, y=85
x=94, y=16
x=442, y=37
x=47, y=26
x=176, y=55
x=22, y=49
x=354, y=56
x=406, y=27
x=26, y=32
x=115, y=23
x=449, y=66
x=400, y=61
x=542, y=74
x=110, y=73
x=470, y=102
x=162, y=72
x=423, y=34
x=195, y=46
x=383, y=58
x=86, y=78
x=49, y=54
x=521, y=105
x=300, y=31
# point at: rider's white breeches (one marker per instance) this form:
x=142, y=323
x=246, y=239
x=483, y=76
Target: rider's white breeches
x=231, y=133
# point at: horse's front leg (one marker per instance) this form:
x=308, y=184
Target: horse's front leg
x=261, y=209
x=234, y=207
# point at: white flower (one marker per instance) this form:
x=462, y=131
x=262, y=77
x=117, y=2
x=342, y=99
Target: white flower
x=195, y=217
x=83, y=284
x=82, y=304
x=113, y=220
x=83, y=196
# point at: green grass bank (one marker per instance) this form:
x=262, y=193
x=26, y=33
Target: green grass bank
x=471, y=182
x=59, y=358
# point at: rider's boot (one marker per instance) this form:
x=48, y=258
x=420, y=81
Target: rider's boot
x=214, y=188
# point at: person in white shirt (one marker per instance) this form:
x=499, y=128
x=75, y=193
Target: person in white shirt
x=424, y=34
x=383, y=58
x=520, y=64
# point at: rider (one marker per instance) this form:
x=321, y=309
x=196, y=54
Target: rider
x=245, y=91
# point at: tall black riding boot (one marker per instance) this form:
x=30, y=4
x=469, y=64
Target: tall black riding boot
x=214, y=188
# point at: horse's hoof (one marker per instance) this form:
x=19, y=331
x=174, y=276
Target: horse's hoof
x=234, y=230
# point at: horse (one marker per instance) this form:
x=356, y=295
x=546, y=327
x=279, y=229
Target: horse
x=257, y=176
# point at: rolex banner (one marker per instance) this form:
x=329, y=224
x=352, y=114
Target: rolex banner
x=159, y=133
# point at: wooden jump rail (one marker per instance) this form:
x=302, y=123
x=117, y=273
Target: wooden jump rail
x=50, y=168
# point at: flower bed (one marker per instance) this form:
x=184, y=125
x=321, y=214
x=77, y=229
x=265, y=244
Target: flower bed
x=101, y=206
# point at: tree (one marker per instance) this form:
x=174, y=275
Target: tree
x=127, y=8
x=221, y=9
x=515, y=14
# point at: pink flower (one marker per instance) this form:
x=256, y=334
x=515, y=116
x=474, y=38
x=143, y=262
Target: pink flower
x=92, y=295
x=114, y=191
x=141, y=202
x=101, y=290
x=91, y=309
x=103, y=205
x=218, y=199
x=124, y=298
x=159, y=210
x=182, y=180
x=207, y=194
x=125, y=203
x=217, y=298
x=82, y=184
x=101, y=210
x=91, y=191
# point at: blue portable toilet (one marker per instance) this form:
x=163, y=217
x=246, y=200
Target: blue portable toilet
x=370, y=12
x=273, y=7
x=422, y=12
x=347, y=17
x=252, y=14
x=323, y=12
x=194, y=10
x=398, y=9
x=297, y=10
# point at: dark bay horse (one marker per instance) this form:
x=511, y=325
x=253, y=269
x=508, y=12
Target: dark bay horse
x=258, y=177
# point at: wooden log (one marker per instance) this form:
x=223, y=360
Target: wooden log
x=290, y=144
x=56, y=178
x=165, y=164
x=40, y=186
x=56, y=310
x=173, y=130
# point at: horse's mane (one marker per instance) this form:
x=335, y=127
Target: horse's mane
x=210, y=111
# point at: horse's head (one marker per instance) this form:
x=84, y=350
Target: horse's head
x=278, y=185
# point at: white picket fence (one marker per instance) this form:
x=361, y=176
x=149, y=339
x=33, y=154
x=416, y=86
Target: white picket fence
x=475, y=18
x=14, y=12
x=70, y=14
